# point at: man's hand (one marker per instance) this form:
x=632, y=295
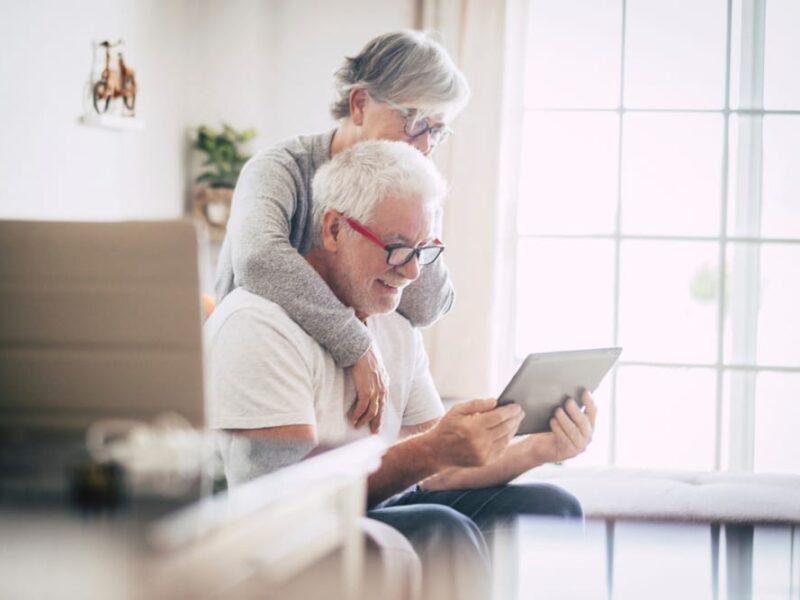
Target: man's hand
x=473, y=433
x=372, y=385
x=571, y=431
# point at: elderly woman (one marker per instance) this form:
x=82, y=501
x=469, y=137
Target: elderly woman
x=401, y=86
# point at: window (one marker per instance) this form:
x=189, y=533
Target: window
x=658, y=208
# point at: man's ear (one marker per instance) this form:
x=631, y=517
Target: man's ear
x=358, y=102
x=331, y=230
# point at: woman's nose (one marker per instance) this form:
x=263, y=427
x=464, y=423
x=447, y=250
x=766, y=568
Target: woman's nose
x=423, y=143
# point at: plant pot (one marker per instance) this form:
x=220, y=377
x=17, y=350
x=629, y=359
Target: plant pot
x=212, y=206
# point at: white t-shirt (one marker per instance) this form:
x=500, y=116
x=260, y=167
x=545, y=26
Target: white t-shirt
x=265, y=371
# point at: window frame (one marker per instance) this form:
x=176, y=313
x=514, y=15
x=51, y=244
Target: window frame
x=734, y=445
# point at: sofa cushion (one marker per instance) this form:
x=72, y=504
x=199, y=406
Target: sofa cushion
x=674, y=495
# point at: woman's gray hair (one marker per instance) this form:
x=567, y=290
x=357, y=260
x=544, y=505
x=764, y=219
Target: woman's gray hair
x=407, y=68
x=359, y=178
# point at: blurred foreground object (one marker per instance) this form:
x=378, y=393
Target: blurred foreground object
x=100, y=321
x=294, y=533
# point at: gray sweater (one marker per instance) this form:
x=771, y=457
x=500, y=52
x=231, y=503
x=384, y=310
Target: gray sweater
x=270, y=229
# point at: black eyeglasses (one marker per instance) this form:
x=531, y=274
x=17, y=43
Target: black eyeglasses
x=415, y=127
x=398, y=255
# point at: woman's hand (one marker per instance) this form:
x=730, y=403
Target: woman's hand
x=372, y=386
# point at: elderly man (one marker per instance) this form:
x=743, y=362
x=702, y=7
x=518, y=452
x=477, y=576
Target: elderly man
x=276, y=392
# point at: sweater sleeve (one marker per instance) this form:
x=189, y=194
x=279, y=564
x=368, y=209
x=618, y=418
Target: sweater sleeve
x=265, y=263
x=430, y=297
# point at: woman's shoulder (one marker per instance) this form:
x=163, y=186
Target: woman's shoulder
x=298, y=150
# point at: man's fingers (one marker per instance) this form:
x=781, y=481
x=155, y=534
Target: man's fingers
x=591, y=407
x=499, y=416
x=561, y=435
x=570, y=429
x=579, y=418
x=507, y=428
x=475, y=406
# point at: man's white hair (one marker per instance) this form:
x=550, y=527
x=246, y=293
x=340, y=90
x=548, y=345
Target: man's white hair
x=358, y=178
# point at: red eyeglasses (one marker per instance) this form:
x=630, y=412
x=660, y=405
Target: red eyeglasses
x=398, y=255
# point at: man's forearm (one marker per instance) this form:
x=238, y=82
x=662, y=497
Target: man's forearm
x=249, y=456
x=406, y=463
x=520, y=456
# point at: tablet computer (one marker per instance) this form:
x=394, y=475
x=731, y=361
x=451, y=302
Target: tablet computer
x=543, y=381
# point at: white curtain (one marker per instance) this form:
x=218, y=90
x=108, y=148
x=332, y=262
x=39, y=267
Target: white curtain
x=470, y=348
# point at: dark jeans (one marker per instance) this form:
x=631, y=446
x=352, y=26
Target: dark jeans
x=447, y=529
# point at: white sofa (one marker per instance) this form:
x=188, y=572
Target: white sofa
x=614, y=493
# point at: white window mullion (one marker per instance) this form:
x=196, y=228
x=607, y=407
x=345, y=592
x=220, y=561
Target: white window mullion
x=503, y=356
x=612, y=417
x=744, y=288
x=723, y=233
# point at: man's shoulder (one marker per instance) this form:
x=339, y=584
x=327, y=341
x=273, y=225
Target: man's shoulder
x=393, y=320
x=250, y=311
x=394, y=329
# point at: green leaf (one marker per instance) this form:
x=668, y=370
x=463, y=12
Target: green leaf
x=223, y=158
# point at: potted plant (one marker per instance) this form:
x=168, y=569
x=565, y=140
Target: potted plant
x=223, y=160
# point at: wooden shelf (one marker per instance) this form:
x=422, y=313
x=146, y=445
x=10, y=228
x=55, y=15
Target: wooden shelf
x=111, y=121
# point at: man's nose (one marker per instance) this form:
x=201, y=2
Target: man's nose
x=411, y=269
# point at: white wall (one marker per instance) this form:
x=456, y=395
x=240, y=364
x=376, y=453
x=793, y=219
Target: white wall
x=269, y=64
x=51, y=167
x=262, y=63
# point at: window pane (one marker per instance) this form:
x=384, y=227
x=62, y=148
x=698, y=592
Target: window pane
x=573, y=54
x=665, y=418
x=778, y=315
x=564, y=295
x=568, y=179
x=777, y=443
x=661, y=561
x=675, y=53
x=668, y=301
x=671, y=174
x=780, y=213
x=781, y=81
x=775, y=300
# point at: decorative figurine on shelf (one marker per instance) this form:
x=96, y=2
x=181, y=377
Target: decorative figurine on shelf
x=223, y=159
x=114, y=83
